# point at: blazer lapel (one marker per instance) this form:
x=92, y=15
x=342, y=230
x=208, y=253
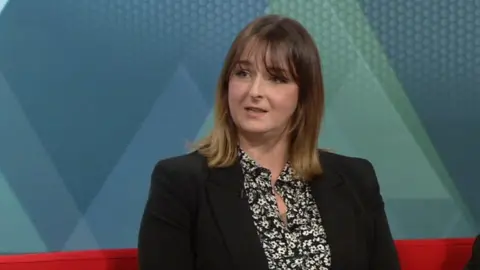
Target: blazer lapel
x=333, y=199
x=232, y=212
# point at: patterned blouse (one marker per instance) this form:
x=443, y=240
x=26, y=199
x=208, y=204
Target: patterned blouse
x=299, y=242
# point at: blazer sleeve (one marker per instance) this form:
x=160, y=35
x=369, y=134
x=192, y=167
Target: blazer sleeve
x=474, y=262
x=383, y=253
x=165, y=229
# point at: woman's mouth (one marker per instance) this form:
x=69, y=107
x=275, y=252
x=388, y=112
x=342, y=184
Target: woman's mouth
x=255, y=110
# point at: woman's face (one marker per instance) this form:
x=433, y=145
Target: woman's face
x=260, y=102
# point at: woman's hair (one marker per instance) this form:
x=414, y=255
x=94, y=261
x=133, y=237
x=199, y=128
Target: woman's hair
x=288, y=44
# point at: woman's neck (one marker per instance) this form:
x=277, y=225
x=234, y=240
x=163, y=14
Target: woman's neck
x=270, y=153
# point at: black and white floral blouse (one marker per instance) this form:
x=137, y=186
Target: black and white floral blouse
x=298, y=243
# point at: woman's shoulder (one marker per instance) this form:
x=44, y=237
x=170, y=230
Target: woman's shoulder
x=474, y=262
x=345, y=163
x=185, y=170
x=192, y=162
x=357, y=171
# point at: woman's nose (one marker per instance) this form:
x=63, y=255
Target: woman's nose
x=257, y=87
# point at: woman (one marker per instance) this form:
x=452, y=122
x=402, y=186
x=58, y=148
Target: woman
x=256, y=193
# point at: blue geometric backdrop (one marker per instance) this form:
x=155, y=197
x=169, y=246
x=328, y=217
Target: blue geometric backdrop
x=93, y=93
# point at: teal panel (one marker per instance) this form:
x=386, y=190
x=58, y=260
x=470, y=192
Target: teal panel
x=32, y=175
x=3, y=3
x=81, y=238
x=180, y=103
x=17, y=232
x=206, y=126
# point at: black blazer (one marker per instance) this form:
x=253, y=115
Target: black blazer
x=197, y=218
x=474, y=263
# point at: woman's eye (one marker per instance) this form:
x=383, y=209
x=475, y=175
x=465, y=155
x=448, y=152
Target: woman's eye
x=241, y=73
x=277, y=79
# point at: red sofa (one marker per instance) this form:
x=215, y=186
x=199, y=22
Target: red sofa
x=441, y=254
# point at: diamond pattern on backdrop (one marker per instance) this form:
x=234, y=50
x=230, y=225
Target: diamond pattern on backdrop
x=93, y=93
x=33, y=180
x=362, y=76
x=434, y=47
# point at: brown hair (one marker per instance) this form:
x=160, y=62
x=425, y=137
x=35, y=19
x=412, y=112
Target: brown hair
x=286, y=40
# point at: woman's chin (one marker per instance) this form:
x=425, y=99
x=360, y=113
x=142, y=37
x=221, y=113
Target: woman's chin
x=256, y=129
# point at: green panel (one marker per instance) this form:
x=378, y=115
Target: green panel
x=333, y=137
x=370, y=123
x=373, y=57
x=366, y=99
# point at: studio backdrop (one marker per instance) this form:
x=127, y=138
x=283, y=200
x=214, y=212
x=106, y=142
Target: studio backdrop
x=94, y=92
